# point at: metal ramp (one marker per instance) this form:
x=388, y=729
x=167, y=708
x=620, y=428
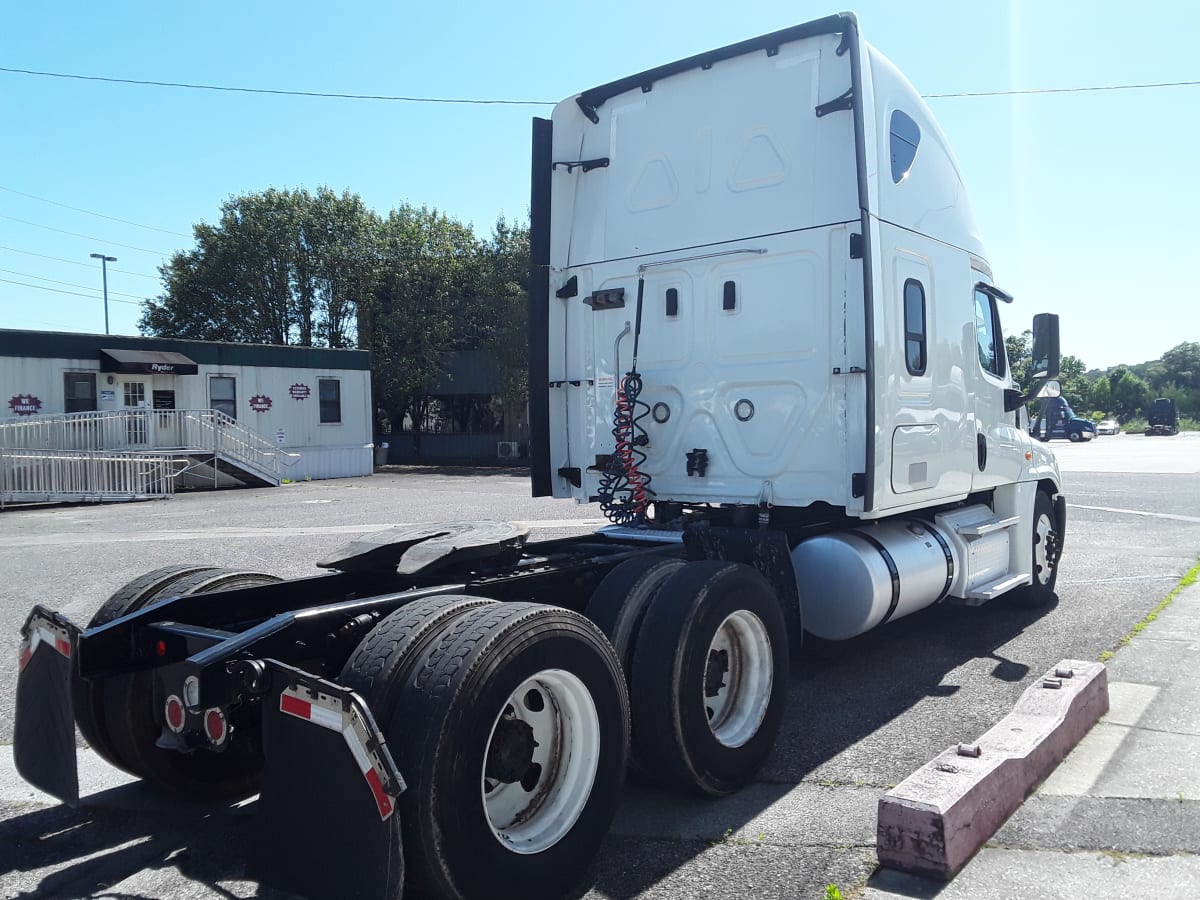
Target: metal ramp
x=81, y=476
x=76, y=456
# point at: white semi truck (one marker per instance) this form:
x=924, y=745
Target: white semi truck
x=765, y=338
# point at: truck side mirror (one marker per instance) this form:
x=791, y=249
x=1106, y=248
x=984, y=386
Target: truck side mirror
x=1050, y=389
x=1045, y=346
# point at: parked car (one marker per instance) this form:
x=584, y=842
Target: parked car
x=1108, y=426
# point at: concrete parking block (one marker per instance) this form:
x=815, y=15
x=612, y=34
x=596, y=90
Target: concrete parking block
x=936, y=819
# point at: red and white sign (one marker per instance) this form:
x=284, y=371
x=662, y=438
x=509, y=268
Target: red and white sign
x=300, y=391
x=260, y=403
x=25, y=405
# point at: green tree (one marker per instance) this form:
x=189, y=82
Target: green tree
x=424, y=304
x=1101, y=396
x=280, y=267
x=1076, y=387
x=1128, y=394
x=1180, y=366
x=504, y=290
x=1020, y=356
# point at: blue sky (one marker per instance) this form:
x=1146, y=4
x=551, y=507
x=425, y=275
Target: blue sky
x=1085, y=200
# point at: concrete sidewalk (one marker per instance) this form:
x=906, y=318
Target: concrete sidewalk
x=1120, y=817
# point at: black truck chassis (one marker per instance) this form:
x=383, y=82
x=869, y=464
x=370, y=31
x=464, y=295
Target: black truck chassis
x=260, y=664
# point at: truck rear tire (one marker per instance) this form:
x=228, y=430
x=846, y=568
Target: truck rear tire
x=1047, y=547
x=513, y=735
x=126, y=708
x=88, y=695
x=618, y=606
x=711, y=668
x=381, y=665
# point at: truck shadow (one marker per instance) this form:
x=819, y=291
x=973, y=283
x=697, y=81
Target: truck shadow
x=861, y=716
x=126, y=831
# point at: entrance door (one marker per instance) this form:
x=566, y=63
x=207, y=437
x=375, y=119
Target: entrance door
x=136, y=431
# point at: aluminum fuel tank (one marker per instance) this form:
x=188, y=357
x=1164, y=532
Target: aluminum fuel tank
x=851, y=581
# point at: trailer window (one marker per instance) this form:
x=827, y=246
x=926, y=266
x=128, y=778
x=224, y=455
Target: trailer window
x=329, y=392
x=905, y=135
x=988, y=335
x=914, y=327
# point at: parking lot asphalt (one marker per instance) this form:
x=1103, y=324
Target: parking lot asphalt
x=862, y=714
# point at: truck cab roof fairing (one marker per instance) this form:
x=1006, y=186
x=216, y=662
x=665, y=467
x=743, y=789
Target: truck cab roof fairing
x=694, y=153
x=589, y=100
x=931, y=197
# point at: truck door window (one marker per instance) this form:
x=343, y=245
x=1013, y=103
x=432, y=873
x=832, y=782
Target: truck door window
x=988, y=336
x=914, y=327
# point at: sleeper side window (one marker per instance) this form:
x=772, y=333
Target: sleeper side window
x=915, y=341
x=904, y=137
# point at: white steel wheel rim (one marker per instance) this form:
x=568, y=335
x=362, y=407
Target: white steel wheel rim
x=735, y=708
x=566, y=732
x=1043, y=528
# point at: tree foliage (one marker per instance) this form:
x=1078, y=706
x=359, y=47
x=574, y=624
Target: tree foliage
x=279, y=267
x=424, y=305
x=506, y=287
x=320, y=269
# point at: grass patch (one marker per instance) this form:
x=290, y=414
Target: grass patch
x=1138, y=425
x=1189, y=578
x=736, y=840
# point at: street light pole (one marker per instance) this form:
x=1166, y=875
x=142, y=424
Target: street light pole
x=104, y=261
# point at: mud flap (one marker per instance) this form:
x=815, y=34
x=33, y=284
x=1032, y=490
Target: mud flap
x=328, y=806
x=44, y=731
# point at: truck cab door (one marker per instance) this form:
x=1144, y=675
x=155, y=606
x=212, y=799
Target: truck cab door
x=999, y=445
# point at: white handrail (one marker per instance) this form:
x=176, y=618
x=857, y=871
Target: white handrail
x=33, y=476
x=198, y=430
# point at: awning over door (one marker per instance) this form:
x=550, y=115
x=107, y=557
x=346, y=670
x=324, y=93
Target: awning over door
x=146, y=362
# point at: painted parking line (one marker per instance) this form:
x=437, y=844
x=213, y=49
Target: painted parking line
x=1138, y=512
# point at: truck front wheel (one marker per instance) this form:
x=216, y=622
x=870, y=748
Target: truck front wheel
x=1047, y=547
x=710, y=671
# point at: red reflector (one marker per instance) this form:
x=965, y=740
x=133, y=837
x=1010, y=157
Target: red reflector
x=382, y=800
x=214, y=725
x=295, y=706
x=174, y=713
x=26, y=655
x=161, y=648
x=63, y=646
